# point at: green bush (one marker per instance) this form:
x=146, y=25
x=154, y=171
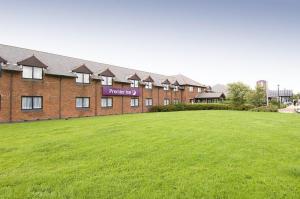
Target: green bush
x=183, y=107
x=265, y=109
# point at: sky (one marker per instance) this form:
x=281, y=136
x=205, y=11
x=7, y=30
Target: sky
x=211, y=41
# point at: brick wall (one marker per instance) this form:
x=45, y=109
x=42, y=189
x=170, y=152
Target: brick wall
x=59, y=98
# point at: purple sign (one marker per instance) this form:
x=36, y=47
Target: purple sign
x=110, y=91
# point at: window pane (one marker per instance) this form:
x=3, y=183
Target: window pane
x=132, y=102
x=109, y=81
x=78, y=102
x=86, y=78
x=136, y=84
x=86, y=102
x=109, y=102
x=37, y=102
x=79, y=78
x=26, y=103
x=37, y=73
x=136, y=102
x=103, y=102
x=27, y=72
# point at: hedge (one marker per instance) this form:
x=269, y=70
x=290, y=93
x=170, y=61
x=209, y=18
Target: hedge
x=187, y=107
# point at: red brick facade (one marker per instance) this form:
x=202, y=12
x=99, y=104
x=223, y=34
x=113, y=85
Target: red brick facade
x=59, y=97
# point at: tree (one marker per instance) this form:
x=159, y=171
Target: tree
x=238, y=92
x=257, y=97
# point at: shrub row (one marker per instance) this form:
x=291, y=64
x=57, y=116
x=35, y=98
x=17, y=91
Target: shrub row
x=265, y=109
x=186, y=107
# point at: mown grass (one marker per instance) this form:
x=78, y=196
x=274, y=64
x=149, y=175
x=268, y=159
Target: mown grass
x=195, y=154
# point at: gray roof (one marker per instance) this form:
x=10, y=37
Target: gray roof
x=220, y=88
x=63, y=65
x=209, y=95
x=282, y=93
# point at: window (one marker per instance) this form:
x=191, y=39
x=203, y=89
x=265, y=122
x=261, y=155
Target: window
x=166, y=102
x=176, y=101
x=148, y=85
x=32, y=103
x=32, y=72
x=106, y=102
x=82, y=102
x=148, y=102
x=83, y=78
x=134, y=102
x=176, y=88
x=134, y=83
x=166, y=87
x=107, y=81
x=191, y=89
x=199, y=90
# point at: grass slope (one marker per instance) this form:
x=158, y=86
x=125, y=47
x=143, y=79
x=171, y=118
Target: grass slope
x=196, y=154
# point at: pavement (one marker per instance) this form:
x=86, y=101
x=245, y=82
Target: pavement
x=289, y=109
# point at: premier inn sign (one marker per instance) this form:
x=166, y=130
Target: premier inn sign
x=110, y=91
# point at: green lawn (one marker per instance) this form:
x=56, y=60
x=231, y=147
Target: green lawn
x=196, y=154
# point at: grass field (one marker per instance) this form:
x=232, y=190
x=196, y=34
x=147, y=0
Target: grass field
x=196, y=154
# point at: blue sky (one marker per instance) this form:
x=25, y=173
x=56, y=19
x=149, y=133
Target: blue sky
x=212, y=41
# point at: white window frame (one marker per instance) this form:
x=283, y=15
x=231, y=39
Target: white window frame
x=33, y=72
x=83, y=78
x=166, y=87
x=134, y=83
x=134, y=102
x=82, y=104
x=166, y=102
x=148, y=85
x=149, y=102
x=191, y=89
x=176, y=88
x=106, y=102
x=107, y=81
x=176, y=101
x=33, y=103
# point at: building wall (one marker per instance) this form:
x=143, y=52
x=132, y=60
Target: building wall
x=5, y=96
x=59, y=98
x=187, y=95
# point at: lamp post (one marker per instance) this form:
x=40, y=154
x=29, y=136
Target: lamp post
x=267, y=93
x=278, y=94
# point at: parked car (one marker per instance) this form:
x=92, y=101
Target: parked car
x=297, y=109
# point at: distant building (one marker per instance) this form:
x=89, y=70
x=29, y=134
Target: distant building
x=281, y=95
x=210, y=97
x=262, y=83
x=220, y=88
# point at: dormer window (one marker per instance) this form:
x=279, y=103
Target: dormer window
x=148, y=82
x=83, y=78
x=166, y=87
x=107, y=77
x=83, y=74
x=32, y=72
x=176, y=88
x=106, y=81
x=134, y=83
x=32, y=68
x=148, y=85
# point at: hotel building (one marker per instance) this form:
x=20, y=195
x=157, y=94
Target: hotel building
x=36, y=85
